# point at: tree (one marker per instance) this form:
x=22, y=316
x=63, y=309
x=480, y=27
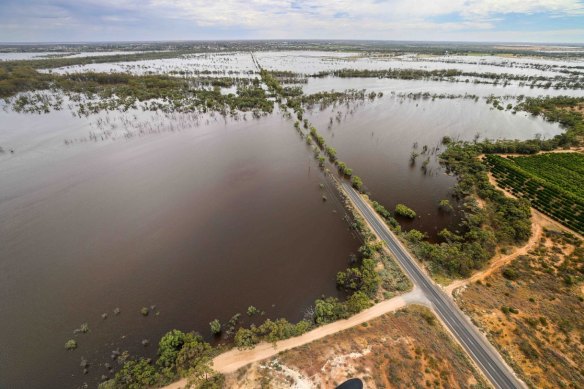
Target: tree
x=329, y=310
x=413, y=157
x=245, y=338
x=215, y=327
x=358, y=302
x=194, y=359
x=251, y=310
x=356, y=182
x=332, y=153
x=169, y=347
x=71, y=344
x=136, y=374
x=404, y=210
x=445, y=205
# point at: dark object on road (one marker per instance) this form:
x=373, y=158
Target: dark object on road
x=353, y=383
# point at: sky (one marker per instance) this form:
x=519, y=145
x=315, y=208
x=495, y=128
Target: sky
x=427, y=20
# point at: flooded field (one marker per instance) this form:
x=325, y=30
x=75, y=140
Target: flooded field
x=377, y=138
x=197, y=216
x=61, y=54
x=315, y=85
x=202, y=223
x=233, y=64
x=313, y=62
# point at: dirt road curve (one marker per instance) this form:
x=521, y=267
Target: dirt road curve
x=234, y=359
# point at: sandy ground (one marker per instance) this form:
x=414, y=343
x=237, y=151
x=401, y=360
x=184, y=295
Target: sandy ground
x=234, y=359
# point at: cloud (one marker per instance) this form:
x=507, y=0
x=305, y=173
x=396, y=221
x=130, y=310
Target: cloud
x=364, y=19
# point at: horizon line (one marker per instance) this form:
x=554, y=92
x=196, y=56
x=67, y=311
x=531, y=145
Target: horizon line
x=516, y=43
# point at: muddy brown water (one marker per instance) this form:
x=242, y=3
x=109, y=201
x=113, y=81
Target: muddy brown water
x=202, y=224
x=376, y=140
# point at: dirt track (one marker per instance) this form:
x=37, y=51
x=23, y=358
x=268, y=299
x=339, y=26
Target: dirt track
x=234, y=359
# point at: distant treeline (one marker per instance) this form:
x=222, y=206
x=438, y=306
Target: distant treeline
x=123, y=89
x=575, y=81
x=374, y=46
x=554, y=109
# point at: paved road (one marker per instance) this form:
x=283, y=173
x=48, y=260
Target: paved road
x=474, y=343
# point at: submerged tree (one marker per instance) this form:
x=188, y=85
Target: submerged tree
x=404, y=210
x=413, y=157
x=215, y=327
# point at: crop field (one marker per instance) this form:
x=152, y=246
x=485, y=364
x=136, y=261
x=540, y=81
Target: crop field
x=565, y=169
x=551, y=182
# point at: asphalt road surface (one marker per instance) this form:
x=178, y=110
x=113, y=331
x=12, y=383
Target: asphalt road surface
x=481, y=351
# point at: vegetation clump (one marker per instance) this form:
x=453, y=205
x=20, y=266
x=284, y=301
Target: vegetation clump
x=504, y=220
x=83, y=329
x=357, y=183
x=405, y=211
x=251, y=310
x=71, y=344
x=215, y=327
x=444, y=205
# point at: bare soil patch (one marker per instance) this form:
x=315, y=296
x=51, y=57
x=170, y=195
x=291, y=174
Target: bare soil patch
x=408, y=348
x=531, y=309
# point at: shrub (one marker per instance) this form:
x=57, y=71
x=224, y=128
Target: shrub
x=71, y=344
x=215, y=382
x=510, y=273
x=356, y=182
x=445, y=205
x=358, y=302
x=328, y=310
x=136, y=375
x=245, y=338
x=169, y=347
x=83, y=329
x=404, y=210
x=194, y=358
x=251, y=310
x=215, y=327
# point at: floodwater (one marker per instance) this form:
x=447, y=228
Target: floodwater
x=231, y=64
x=18, y=56
x=386, y=85
x=377, y=138
x=311, y=62
x=201, y=222
x=203, y=216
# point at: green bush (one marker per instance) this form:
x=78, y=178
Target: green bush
x=358, y=302
x=215, y=327
x=404, y=210
x=510, y=273
x=251, y=310
x=245, y=338
x=356, y=182
x=169, y=347
x=71, y=344
x=136, y=374
x=194, y=358
x=328, y=310
x=363, y=278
